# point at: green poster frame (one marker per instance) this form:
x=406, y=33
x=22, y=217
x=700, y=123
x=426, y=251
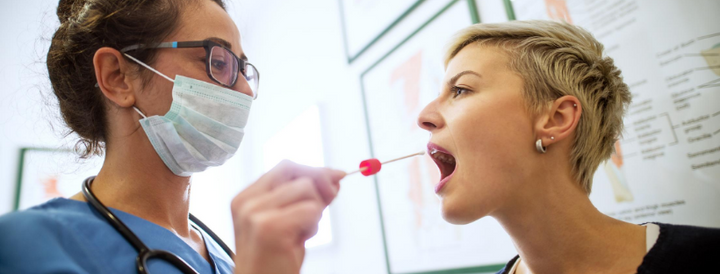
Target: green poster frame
x=350, y=57
x=21, y=166
x=465, y=270
x=510, y=10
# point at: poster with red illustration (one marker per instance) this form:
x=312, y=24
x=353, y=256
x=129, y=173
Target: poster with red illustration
x=45, y=174
x=396, y=89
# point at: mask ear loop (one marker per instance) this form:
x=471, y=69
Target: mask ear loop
x=148, y=67
x=151, y=69
x=140, y=112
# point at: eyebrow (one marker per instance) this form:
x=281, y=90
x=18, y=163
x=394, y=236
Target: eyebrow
x=454, y=79
x=227, y=45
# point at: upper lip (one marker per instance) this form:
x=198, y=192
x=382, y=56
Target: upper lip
x=432, y=148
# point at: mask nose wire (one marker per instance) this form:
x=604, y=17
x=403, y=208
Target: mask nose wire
x=148, y=67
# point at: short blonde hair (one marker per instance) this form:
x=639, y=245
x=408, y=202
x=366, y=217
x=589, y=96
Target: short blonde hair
x=554, y=60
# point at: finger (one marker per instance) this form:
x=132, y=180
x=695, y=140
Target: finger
x=300, y=189
x=336, y=176
x=282, y=172
x=326, y=187
x=303, y=217
x=322, y=177
x=327, y=181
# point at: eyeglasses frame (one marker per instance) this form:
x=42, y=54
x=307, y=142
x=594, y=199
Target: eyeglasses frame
x=208, y=45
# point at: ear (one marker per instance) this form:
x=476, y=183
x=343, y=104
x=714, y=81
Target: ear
x=113, y=76
x=560, y=121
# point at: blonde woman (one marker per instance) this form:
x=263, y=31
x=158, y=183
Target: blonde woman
x=529, y=111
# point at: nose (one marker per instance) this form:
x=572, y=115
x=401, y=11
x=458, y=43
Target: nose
x=430, y=119
x=242, y=86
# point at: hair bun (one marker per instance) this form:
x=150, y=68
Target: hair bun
x=68, y=8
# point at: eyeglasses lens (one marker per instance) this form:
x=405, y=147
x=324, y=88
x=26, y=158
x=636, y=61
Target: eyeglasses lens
x=252, y=77
x=223, y=66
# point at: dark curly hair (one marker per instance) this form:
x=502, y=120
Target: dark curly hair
x=86, y=26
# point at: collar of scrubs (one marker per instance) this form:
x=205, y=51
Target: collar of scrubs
x=100, y=235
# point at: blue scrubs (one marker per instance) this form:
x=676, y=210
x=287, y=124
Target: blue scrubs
x=69, y=236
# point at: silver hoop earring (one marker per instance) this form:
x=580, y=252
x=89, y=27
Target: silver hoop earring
x=540, y=148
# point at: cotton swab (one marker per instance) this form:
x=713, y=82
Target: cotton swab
x=372, y=166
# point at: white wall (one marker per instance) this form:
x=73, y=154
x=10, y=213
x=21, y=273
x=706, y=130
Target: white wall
x=27, y=118
x=298, y=49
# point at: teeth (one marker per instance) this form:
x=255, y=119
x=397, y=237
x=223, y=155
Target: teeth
x=443, y=157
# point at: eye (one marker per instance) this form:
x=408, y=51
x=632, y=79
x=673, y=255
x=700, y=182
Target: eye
x=219, y=65
x=457, y=91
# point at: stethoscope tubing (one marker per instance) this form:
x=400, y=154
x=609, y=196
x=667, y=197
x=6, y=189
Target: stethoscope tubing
x=145, y=253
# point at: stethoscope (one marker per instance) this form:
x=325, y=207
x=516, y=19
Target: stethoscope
x=145, y=253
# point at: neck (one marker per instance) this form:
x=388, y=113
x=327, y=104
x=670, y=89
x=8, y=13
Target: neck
x=558, y=230
x=134, y=179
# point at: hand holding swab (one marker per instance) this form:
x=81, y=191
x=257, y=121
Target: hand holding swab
x=372, y=166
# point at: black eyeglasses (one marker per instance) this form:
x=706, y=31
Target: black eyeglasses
x=222, y=64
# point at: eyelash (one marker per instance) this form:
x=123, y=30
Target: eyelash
x=457, y=91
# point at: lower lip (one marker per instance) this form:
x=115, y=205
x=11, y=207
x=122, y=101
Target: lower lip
x=444, y=181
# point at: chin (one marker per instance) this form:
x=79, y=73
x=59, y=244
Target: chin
x=458, y=214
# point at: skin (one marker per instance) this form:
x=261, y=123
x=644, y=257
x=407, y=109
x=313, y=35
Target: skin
x=482, y=119
x=272, y=218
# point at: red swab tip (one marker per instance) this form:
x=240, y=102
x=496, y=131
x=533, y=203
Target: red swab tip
x=370, y=167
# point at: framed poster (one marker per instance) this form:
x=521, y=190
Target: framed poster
x=45, y=173
x=366, y=21
x=395, y=89
x=666, y=167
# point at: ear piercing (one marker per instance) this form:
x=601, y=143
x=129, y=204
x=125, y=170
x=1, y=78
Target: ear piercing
x=574, y=105
x=539, y=146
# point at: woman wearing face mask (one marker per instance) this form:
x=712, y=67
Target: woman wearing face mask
x=529, y=112
x=163, y=89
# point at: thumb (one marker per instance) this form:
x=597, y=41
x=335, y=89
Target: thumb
x=337, y=175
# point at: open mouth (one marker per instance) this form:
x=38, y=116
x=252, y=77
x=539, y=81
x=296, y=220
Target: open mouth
x=445, y=162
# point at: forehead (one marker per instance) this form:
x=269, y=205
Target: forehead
x=205, y=19
x=487, y=60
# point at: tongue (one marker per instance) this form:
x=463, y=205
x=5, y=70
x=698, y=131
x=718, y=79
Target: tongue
x=446, y=164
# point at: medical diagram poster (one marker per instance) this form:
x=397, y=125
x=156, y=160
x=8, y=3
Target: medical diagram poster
x=667, y=165
x=396, y=89
x=46, y=173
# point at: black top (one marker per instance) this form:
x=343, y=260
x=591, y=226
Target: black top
x=678, y=249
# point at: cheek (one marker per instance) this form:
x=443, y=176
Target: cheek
x=491, y=147
x=156, y=97
x=493, y=140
